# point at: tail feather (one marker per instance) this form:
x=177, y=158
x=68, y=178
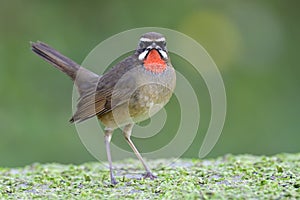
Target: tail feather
x=85, y=80
x=55, y=58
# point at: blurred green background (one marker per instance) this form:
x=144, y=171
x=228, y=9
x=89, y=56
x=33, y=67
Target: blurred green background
x=254, y=43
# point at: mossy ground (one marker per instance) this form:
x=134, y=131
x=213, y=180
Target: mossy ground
x=227, y=177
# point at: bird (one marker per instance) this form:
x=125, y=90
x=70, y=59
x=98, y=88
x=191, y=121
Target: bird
x=131, y=91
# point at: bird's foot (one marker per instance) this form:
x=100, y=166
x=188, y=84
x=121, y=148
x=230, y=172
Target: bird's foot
x=149, y=175
x=113, y=181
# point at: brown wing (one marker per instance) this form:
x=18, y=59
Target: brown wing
x=88, y=107
x=106, y=96
x=95, y=92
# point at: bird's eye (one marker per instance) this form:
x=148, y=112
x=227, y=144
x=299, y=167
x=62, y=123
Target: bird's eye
x=141, y=45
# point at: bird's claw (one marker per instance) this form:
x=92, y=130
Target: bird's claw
x=113, y=181
x=150, y=175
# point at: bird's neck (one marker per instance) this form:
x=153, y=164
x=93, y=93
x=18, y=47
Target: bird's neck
x=154, y=63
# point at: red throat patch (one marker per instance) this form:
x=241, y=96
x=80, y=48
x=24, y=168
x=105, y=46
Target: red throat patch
x=154, y=62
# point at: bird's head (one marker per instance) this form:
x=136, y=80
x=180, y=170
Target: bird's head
x=152, y=52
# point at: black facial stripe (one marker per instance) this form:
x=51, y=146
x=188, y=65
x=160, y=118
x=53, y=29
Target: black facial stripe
x=161, y=56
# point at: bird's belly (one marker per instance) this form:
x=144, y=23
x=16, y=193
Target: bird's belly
x=143, y=103
x=148, y=100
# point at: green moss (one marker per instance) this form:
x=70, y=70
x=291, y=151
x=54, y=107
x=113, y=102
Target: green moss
x=235, y=177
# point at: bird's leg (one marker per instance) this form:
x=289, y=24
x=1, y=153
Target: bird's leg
x=107, y=138
x=127, y=133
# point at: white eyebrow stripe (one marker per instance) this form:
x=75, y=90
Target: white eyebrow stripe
x=162, y=39
x=143, y=39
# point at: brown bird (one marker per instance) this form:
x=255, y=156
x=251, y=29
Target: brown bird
x=131, y=91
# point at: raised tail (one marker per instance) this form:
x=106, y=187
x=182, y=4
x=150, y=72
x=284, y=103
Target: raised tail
x=85, y=80
x=55, y=58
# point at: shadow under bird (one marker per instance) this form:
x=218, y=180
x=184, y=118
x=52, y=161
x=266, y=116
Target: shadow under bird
x=131, y=91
